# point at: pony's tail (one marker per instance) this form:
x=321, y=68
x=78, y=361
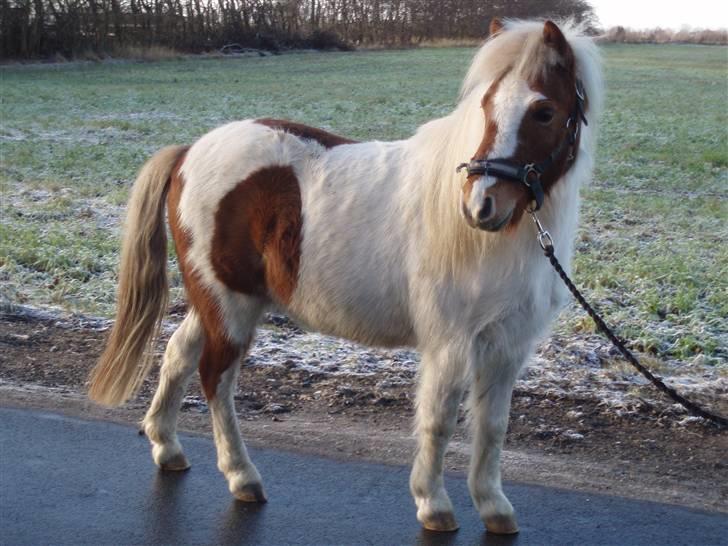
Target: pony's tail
x=143, y=291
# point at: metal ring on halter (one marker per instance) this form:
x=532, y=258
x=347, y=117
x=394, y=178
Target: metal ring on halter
x=572, y=136
x=527, y=171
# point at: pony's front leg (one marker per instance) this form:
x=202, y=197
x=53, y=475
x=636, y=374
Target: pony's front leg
x=439, y=393
x=219, y=368
x=490, y=401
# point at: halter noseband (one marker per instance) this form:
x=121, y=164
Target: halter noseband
x=529, y=174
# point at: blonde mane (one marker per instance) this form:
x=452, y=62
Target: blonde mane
x=444, y=143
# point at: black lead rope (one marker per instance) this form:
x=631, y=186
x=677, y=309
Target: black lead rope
x=547, y=245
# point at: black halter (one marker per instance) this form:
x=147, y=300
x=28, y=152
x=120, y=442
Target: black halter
x=529, y=174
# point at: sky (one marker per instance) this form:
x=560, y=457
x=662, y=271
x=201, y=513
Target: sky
x=674, y=14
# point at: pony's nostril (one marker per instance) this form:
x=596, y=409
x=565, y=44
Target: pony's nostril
x=486, y=210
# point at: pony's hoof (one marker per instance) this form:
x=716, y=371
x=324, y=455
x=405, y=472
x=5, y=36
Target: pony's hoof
x=177, y=463
x=170, y=457
x=250, y=492
x=501, y=525
x=443, y=522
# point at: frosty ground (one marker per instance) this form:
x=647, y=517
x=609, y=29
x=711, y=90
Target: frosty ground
x=574, y=423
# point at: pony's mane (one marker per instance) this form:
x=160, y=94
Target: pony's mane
x=444, y=143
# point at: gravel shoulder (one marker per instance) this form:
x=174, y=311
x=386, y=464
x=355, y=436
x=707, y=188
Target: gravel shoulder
x=644, y=448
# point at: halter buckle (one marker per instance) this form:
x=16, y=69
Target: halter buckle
x=528, y=170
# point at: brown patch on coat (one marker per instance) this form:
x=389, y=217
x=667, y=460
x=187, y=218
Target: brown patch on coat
x=218, y=355
x=326, y=139
x=219, y=352
x=256, y=245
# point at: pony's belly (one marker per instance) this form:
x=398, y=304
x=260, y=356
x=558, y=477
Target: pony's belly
x=363, y=318
x=362, y=333
x=352, y=280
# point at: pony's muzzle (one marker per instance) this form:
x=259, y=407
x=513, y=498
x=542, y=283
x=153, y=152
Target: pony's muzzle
x=494, y=221
x=481, y=207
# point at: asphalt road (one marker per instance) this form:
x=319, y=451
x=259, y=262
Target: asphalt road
x=68, y=481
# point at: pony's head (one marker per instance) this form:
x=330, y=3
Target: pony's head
x=532, y=110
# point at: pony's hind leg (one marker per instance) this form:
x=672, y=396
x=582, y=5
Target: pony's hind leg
x=219, y=368
x=439, y=391
x=179, y=363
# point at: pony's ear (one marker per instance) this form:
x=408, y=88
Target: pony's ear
x=553, y=37
x=496, y=25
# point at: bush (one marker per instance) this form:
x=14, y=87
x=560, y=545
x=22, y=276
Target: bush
x=327, y=40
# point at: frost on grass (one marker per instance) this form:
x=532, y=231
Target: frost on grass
x=577, y=368
x=564, y=367
x=574, y=367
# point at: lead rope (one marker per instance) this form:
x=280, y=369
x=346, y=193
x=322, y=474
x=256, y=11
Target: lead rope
x=547, y=244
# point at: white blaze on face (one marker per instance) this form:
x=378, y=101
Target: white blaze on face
x=510, y=104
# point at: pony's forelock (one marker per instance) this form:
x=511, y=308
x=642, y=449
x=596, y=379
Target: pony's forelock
x=519, y=45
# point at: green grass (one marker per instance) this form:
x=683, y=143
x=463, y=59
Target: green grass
x=652, y=246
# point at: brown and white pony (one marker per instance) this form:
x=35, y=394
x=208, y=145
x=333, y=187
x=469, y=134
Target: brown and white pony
x=382, y=243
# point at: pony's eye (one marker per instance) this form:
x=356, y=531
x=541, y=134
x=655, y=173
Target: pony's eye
x=544, y=115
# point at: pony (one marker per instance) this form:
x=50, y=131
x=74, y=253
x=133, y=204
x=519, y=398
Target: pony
x=382, y=243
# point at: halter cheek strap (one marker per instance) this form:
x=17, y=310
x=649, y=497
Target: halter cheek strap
x=529, y=174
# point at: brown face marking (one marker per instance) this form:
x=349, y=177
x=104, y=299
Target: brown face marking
x=326, y=139
x=491, y=130
x=256, y=244
x=536, y=140
x=219, y=352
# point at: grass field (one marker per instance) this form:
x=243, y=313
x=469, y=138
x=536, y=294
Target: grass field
x=652, y=249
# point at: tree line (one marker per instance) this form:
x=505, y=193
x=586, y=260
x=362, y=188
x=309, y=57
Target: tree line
x=41, y=28
x=658, y=35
